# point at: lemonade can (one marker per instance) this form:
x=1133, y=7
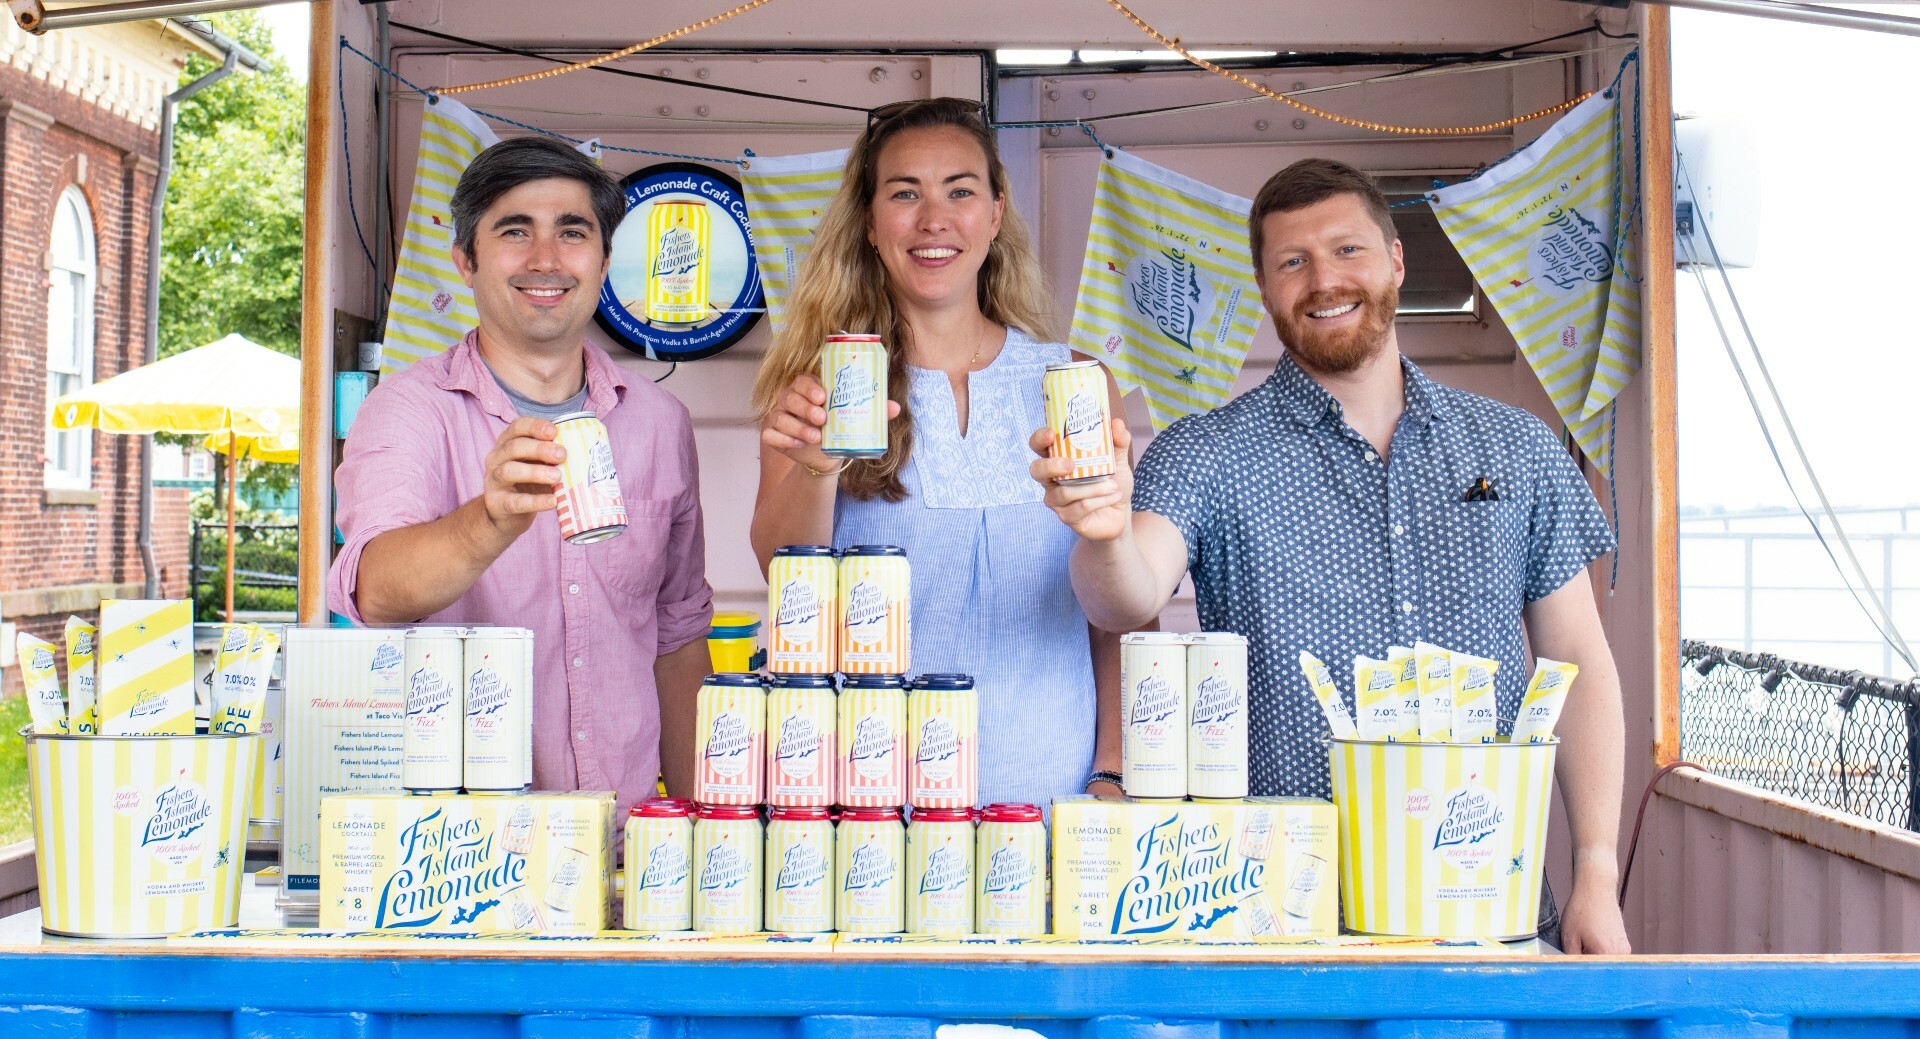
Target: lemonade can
x=659, y=895
x=802, y=720
x=1077, y=409
x=872, y=751
x=727, y=849
x=591, y=507
x=800, y=859
x=434, y=660
x=876, y=611
x=943, y=723
x=868, y=871
x=803, y=610
x=730, y=730
x=1010, y=872
x=940, y=864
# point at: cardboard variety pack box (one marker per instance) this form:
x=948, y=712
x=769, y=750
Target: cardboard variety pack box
x=1253, y=868
x=467, y=863
x=344, y=712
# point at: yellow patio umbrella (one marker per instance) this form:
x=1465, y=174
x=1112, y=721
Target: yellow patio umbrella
x=234, y=389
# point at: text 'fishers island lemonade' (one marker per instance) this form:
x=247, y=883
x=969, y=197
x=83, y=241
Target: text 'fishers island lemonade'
x=1217, y=714
x=803, y=602
x=943, y=722
x=498, y=747
x=659, y=895
x=801, y=748
x=727, y=852
x=1077, y=408
x=677, y=238
x=1010, y=871
x=800, y=854
x=876, y=607
x=591, y=507
x=853, y=371
x=435, y=659
x=731, y=729
x=940, y=863
x=873, y=742
x=1153, y=712
x=869, y=871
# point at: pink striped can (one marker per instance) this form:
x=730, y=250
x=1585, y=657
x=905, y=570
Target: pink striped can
x=873, y=741
x=801, y=726
x=730, y=732
x=943, y=725
x=590, y=505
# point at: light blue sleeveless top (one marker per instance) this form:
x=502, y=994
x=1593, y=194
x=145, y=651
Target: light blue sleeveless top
x=991, y=594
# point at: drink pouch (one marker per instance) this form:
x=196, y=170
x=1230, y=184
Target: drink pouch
x=1435, y=678
x=1376, y=693
x=1407, y=686
x=81, y=679
x=246, y=703
x=46, y=708
x=1321, y=680
x=1546, y=695
x=1474, y=720
x=230, y=666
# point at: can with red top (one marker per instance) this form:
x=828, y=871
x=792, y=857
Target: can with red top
x=659, y=894
x=799, y=866
x=940, y=871
x=1011, y=871
x=727, y=850
x=730, y=727
x=873, y=741
x=801, y=728
x=943, y=722
x=590, y=504
x=870, y=852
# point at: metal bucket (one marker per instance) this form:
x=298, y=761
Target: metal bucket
x=139, y=836
x=1441, y=839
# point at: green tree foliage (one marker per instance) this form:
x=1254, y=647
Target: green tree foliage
x=231, y=232
x=231, y=236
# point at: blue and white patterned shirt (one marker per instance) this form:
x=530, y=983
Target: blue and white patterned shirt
x=1300, y=537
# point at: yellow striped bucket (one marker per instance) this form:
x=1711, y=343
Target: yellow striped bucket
x=1440, y=839
x=140, y=836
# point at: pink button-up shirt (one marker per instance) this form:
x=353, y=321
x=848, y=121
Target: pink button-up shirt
x=600, y=613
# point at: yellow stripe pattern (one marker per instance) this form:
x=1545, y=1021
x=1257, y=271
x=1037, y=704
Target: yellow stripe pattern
x=786, y=197
x=1442, y=839
x=431, y=308
x=145, y=667
x=140, y=838
x=1167, y=297
x=1538, y=232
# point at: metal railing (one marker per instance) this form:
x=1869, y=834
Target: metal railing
x=1841, y=739
x=264, y=556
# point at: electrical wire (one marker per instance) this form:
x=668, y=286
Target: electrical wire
x=1633, y=844
x=1877, y=615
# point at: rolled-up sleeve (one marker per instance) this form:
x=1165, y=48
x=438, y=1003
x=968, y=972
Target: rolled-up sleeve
x=394, y=474
x=685, y=604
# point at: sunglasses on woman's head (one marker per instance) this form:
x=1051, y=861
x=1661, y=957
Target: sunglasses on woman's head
x=957, y=107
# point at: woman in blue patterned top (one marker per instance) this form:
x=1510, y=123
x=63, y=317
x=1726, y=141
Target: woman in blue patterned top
x=922, y=247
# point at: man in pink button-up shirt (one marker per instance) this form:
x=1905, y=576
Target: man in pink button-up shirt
x=446, y=493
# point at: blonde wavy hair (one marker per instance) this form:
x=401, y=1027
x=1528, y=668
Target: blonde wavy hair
x=842, y=285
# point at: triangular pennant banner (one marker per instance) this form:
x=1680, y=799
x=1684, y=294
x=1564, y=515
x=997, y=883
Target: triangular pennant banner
x=786, y=197
x=1539, y=232
x=1167, y=297
x=432, y=308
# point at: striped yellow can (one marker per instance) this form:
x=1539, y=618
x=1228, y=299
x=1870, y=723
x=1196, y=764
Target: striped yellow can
x=940, y=864
x=659, y=890
x=801, y=747
x=853, y=370
x=139, y=836
x=800, y=857
x=730, y=732
x=1442, y=839
x=876, y=611
x=591, y=506
x=677, y=243
x=727, y=852
x=803, y=610
x=868, y=871
x=1077, y=412
x=1010, y=872
x=872, y=765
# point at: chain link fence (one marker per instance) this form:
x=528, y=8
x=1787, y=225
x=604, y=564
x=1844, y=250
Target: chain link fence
x=1842, y=739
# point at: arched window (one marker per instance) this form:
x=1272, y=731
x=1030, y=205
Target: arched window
x=70, y=336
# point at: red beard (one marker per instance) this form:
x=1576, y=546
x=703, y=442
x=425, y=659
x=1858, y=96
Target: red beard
x=1344, y=350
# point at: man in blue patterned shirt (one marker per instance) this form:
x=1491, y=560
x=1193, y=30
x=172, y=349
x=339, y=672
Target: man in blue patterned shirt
x=1328, y=510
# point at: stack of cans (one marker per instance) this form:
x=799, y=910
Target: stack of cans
x=469, y=710
x=1183, y=710
x=837, y=744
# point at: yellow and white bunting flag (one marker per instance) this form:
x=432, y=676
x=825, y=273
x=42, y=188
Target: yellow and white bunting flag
x=786, y=197
x=1167, y=297
x=432, y=308
x=146, y=667
x=1538, y=231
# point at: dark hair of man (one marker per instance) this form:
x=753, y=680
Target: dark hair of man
x=1309, y=182
x=516, y=161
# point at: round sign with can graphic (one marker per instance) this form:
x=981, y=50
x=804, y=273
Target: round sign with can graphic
x=681, y=283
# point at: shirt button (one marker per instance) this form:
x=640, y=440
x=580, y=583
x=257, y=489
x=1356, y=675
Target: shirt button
x=577, y=662
x=1371, y=457
x=1406, y=607
x=573, y=589
x=1398, y=530
x=580, y=736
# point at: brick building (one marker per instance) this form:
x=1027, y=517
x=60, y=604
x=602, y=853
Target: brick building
x=79, y=161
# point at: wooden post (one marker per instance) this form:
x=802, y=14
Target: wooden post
x=233, y=451
x=1657, y=303
x=316, y=312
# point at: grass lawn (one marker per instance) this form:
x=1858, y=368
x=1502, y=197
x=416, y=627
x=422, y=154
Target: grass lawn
x=16, y=822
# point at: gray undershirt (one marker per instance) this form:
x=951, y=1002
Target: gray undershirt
x=534, y=409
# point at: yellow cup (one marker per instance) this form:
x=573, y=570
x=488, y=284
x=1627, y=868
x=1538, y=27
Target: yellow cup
x=734, y=643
